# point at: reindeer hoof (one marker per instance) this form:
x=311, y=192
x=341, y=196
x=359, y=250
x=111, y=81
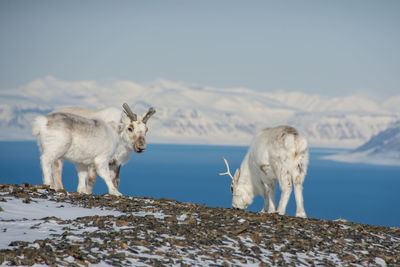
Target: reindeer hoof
x=116, y=193
x=301, y=215
x=81, y=191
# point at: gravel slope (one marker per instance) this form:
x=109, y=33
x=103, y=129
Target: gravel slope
x=145, y=231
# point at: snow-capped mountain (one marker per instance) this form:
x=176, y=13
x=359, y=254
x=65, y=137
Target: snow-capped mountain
x=382, y=149
x=202, y=114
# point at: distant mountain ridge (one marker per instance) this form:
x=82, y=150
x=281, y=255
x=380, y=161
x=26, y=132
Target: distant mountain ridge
x=382, y=149
x=202, y=114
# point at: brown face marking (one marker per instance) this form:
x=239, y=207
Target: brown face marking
x=131, y=127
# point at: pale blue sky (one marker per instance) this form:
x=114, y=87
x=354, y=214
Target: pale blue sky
x=323, y=47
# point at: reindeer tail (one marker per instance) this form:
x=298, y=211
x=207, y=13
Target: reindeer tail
x=39, y=125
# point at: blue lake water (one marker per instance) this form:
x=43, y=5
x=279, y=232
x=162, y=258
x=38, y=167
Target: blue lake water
x=362, y=193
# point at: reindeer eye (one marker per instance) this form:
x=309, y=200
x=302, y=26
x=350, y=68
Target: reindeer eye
x=130, y=129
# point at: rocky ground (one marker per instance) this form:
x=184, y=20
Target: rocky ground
x=160, y=232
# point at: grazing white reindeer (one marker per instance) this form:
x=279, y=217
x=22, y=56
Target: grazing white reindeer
x=136, y=125
x=276, y=154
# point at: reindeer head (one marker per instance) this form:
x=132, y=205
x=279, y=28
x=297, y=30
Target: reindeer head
x=134, y=128
x=240, y=197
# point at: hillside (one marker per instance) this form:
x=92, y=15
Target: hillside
x=143, y=231
x=196, y=114
x=383, y=149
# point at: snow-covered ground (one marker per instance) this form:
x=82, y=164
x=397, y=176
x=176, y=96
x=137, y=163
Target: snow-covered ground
x=38, y=218
x=141, y=232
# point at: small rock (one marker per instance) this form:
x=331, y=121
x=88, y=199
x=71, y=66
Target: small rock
x=256, y=249
x=120, y=223
x=22, y=195
x=348, y=257
x=172, y=220
x=190, y=221
x=240, y=230
x=256, y=238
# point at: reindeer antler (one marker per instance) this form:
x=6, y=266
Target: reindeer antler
x=129, y=112
x=228, y=170
x=148, y=114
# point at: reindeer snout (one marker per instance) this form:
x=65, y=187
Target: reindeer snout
x=140, y=149
x=140, y=145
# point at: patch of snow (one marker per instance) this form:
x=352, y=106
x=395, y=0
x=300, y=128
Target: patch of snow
x=157, y=215
x=15, y=209
x=380, y=262
x=181, y=217
x=26, y=222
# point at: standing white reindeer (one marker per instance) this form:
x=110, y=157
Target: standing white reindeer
x=135, y=124
x=85, y=142
x=276, y=154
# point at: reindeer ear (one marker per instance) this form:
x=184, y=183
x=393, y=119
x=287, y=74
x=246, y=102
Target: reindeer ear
x=237, y=174
x=114, y=125
x=120, y=128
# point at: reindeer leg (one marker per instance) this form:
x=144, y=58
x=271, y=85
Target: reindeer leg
x=285, y=183
x=266, y=202
x=271, y=199
x=58, y=166
x=298, y=193
x=104, y=171
x=91, y=179
x=269, y=189
x=52, y=152
x=114, y=170
x=82, y=174
x=116, y=176
x=47, y=170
